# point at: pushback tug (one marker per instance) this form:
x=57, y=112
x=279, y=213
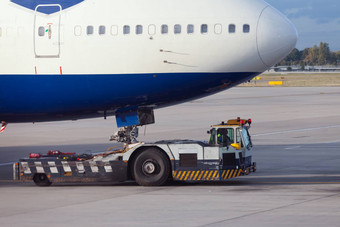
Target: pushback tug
x=227, y=154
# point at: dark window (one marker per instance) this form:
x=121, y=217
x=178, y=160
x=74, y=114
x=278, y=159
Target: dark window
x=164, y=29
x=41, y=31
x=204, y=28
x=126, y=29
x=102, y=30
x=232, y=28
x=177, y=29
x=190, y=28
x=246, y=28
x=89, y=30
x=139, y=29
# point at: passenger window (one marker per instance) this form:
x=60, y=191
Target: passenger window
x=41, y=31
x=126, y=29
x=77, y=30
x=232, y=28
x=102, y=30
x=139, y=29
x=114, y=30
x=152, y=29
x=204, y=28
x=165, y=29
x=177, y=29
x=190, y=28
x=246, y=28
x=218, y=29
x=89, y=30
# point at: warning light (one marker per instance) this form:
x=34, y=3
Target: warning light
x=51, y=153
x=34, y=155
x=241, y=122
x=249, y=121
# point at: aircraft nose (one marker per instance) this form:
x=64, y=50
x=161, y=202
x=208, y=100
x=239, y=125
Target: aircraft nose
x=276, y=36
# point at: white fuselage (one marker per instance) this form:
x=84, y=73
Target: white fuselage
x=229, y=36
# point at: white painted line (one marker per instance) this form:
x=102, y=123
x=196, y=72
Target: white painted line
x=53, y=167
x=7, y=164
x=108, y=167
x=291, y=148
x=26, y=167
x=94, y=167
x=39, y=167
x=80, y=167
x=296, y=130
x=66, y=166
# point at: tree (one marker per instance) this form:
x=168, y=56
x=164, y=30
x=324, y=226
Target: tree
x=317, y=55
x=324, y=53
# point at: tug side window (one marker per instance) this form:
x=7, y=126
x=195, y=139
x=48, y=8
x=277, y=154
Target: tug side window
x=212, y=139
x=225, y=136
x=238, y=137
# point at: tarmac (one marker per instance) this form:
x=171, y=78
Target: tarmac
x=296, y=137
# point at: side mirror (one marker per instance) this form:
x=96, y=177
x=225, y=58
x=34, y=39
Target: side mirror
x=237, y=146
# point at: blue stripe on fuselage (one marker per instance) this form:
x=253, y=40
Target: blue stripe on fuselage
x=27, y=98
x=32, y=4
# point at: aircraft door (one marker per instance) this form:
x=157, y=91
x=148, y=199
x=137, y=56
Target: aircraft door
x=47, y=32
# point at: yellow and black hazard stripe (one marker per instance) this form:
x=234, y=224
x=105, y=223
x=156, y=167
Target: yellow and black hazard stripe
x=206, y=175
x=230, y=173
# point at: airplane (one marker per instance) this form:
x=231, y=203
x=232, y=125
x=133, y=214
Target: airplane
x=76, y=59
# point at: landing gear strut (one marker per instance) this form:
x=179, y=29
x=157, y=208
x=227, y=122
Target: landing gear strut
x=126, y=135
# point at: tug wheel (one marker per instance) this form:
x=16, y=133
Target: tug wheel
x=41, y=180
x=151, y=168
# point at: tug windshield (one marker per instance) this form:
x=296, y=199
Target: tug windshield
x=225, y=136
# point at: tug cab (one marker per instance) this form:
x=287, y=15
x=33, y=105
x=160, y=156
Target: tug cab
x=235, y=137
